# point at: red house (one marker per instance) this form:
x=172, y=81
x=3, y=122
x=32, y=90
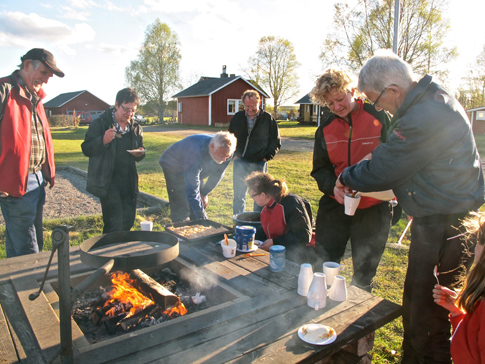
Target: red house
x=67, y=102
x=214, y=101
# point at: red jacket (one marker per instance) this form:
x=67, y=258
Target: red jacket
x=468, y=341
x=16, y=139
x=340, y=144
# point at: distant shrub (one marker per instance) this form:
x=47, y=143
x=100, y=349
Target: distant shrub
x=63, y=120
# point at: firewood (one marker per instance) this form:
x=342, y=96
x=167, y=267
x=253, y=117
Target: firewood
x=131, y=322
x=153, y=290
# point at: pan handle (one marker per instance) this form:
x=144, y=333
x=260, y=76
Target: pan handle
x=84, y=285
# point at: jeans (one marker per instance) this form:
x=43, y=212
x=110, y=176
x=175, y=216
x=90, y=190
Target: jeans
x=368, y=231
x=426, y=324
x=179, y=206
x=242, y=169
x=23, y=218
x=119, y=208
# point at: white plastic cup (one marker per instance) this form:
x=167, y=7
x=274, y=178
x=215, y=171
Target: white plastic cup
x=305, y=279
x=338, y=291
x=146, y=225
x=229, y=251
x=317, y=294
x=351, y=204
x=331, y=269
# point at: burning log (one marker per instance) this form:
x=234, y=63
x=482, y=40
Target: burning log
x=133, y=321
x=154, y=290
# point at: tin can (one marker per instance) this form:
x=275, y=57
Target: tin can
x=245, y=237
x=277, y=258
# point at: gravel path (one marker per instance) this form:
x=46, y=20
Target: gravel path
x=68, y=198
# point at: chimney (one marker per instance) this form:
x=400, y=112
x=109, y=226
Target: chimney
x=232, y=75
x=223, y=74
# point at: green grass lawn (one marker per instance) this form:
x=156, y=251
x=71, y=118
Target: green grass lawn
x=294, y=167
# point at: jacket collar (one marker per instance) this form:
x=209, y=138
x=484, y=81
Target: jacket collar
x=271, y=204
x=17, y=81
x=413, y=97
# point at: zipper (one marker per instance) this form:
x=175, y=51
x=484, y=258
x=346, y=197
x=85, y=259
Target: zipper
x=350, y=140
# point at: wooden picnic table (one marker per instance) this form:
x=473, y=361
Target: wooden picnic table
x=259, y=324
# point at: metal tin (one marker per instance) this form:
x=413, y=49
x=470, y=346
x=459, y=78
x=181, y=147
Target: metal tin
x=245, y=236
x=277, y=258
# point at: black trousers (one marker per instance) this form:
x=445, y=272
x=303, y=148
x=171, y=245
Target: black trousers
x=426, y=324
x=119, y=208
x=367, y=230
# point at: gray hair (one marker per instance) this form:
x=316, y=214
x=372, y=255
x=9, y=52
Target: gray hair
x=225, y=140
x=383, y=69
x=35, y=64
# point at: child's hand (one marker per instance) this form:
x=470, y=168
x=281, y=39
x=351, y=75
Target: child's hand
x=446, y=298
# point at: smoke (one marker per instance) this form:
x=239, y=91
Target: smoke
x=199, y=281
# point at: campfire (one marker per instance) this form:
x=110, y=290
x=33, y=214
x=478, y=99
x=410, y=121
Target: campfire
x=135, y=300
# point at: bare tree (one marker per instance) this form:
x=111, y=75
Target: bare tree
x=472, y=95
x=155, y=74
x=369, y=26
x=274, y=67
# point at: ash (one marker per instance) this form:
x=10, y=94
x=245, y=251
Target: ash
x=89, y=306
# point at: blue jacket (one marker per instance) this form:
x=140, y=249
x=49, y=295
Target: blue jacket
x=190, y=157
x=430, y=159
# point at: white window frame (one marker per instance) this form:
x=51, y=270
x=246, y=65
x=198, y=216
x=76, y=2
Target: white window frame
x=180, y=107
x=481, y=115
x=237, y=105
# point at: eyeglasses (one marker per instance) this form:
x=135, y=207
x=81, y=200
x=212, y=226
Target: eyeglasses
x=125, y=109
x=382, y=93
x=255, y=194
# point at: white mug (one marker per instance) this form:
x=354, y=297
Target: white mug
x=351, y=203
x=317, y=294
x=305, y=279
x=331, y=269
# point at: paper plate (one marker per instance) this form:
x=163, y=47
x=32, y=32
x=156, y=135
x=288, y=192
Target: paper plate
x=381, y=195
x=248, y=250
x=136, y=150
x=317, y=334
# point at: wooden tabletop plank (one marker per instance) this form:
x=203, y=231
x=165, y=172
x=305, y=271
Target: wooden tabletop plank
x=40, y=315
x=275, y=338
x=26, y=346
x=7, y=348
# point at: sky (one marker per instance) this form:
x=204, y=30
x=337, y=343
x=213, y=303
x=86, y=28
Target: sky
x=94, y=41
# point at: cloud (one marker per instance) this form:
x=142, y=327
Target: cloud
x=70, y=13
x=82, y=4
x=19, y=29
x=112, y=49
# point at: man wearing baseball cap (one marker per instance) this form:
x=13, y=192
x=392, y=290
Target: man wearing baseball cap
x=26, y=151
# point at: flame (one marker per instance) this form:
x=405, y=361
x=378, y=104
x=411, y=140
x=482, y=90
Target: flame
x=178, y=308
x=124, y=292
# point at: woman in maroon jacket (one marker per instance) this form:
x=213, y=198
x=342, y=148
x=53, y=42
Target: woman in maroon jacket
x=286, y=218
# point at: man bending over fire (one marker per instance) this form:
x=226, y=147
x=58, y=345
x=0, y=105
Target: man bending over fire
x=187, y=163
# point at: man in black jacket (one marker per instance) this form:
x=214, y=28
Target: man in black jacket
x=258, y=141
x=431, y=162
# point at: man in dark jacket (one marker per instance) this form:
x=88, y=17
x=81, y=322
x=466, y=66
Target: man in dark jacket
x=431, y=162
x=26, y=151
x=258, y=141
x=113, y=143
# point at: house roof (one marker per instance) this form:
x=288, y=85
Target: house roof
x=210, y=85
x=476, y=109
x=64, y=98
x=304, y=100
